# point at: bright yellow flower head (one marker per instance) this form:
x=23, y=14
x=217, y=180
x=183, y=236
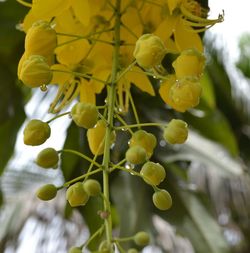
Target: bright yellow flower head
x=190, y=63
x=149, y=51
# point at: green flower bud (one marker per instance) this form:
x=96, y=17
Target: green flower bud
x=47, y=158
x=190, y=63
x=40, y=39
x=76, y=195
x=35, y=71
x=162, y=200
x=36, y=132
x=149, y=51
x=153, y=173
x=136, y=155
x=176, y=131
x=92, y=187
x=145, y=140
x=84, y=115
x=75, y=250
x=141, y=238
x=47, y=192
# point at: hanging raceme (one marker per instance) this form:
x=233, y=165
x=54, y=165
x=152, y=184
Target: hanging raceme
x=87, y=47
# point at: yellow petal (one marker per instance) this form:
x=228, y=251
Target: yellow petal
x=140, y=80
x=46, y=8
x=72, y=52
x=87, y=92
x=81, y=9
x=102, y=75
x=166, y=28
x=185, y=39
x=172, y=4
x=60, y=77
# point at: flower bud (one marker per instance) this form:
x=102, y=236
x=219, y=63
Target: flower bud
x=141, y=238
x=47, y=192
x=153, y=173
x=176, y=131
x=40, y=39
x=47, y=158
x=136, y=155
x=76, y=195
x=36, y=132
x=185, y=94
x=145, y=140
x=84, y=115
x=162, y=200
x=190, y=63
x=96, y=137
x=35, y=71
x=92, y=187
x=149, y=51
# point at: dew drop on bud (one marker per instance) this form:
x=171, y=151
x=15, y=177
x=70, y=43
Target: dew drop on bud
x=43, y=87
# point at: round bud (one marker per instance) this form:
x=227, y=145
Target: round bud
x=47, y=192
x=145, y=140
x=47, y=158
x=162, y=200
x=76, y=195
x=190, y=63
x=176, y=131
x=141, y=238
x=149, y=51
x=92, y=187
x=36, y=132
x=132, y=250
x=186, y=93
x=75, y=250
x=96, y=137
x=40, y=39
x=84, y=114
x=136, y=155
x=153, y=173
x=35, y=71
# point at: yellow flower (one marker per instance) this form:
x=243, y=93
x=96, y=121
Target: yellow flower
x=190, y=63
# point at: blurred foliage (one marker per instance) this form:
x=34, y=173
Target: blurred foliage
x=216, y=118
x=243, y=62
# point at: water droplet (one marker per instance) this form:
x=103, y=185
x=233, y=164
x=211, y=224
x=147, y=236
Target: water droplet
x=124, y=129
x=43, y=87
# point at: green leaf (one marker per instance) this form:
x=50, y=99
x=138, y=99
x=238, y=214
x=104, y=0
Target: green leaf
x=133, y=205
x=207, y=90
x=193, y=220
x=214, y=125
x=12, y=114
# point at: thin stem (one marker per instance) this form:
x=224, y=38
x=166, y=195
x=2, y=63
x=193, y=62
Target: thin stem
x=57, y=116
x=81, y=155
x=118, y=164
x=79, y=178
x=24, y=3
x=134, y=110
x=97, y=232
x=111, y=105
x=79, y=74
x=125, y=70
x=125, y=125
x=120, y=248
x=140, y=125
x=124, y=239
x=130, y=171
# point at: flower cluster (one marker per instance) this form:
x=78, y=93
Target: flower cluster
x=85, y=47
